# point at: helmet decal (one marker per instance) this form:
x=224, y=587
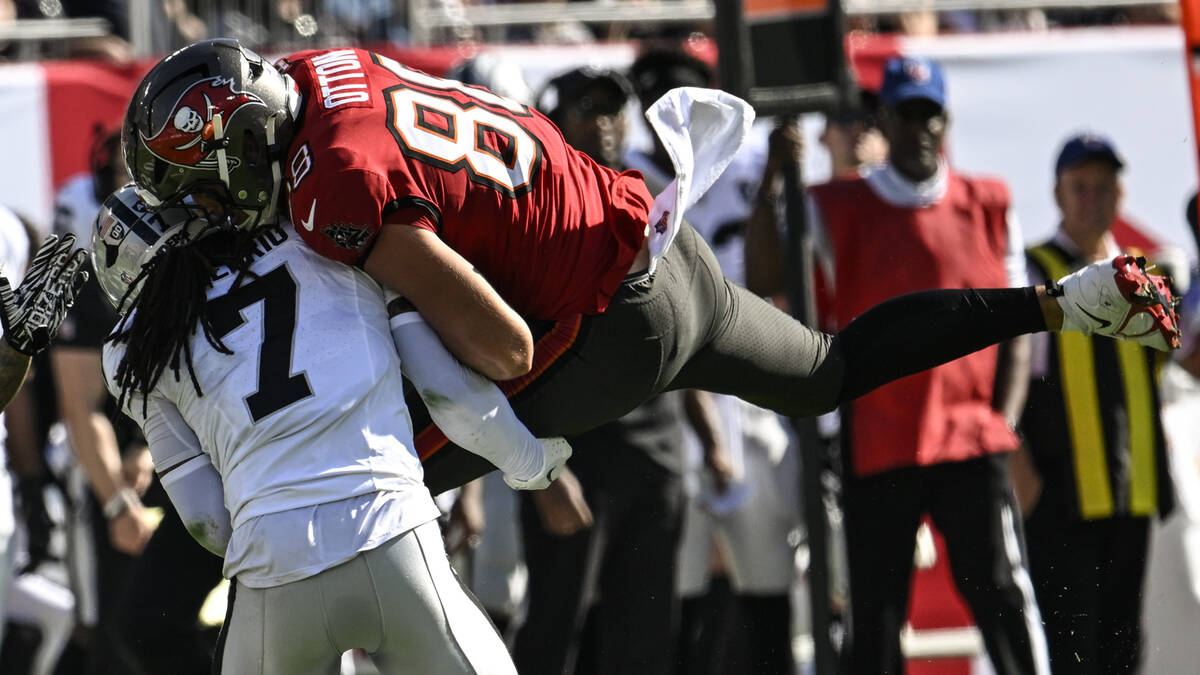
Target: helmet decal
x=186, y=139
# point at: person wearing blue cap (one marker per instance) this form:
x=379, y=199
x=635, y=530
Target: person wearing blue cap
x=934, y=444
x=1092, y=472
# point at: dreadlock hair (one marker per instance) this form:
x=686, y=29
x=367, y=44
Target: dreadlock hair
x=162, y=318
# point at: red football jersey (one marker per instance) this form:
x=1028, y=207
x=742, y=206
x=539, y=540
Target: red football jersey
x=550, y=229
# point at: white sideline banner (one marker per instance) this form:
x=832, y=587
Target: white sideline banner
x=25, y=172
x=1013, y=98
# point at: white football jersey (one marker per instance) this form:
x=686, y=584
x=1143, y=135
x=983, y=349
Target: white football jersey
x=309, y=407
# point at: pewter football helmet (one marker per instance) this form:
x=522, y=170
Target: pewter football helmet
x=217, y=115
x=128, y=233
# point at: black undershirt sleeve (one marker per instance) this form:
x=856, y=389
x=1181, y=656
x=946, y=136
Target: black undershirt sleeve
x=914, y=332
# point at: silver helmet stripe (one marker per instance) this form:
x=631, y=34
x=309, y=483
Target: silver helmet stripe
x=131, y=219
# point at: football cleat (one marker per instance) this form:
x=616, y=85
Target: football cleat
x=558, y=451
x=1119, y=299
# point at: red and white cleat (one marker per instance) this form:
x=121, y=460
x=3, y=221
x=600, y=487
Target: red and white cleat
x=1122, y=300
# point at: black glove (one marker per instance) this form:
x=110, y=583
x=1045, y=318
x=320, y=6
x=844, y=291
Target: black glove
x=37, y=522
x=31, y=314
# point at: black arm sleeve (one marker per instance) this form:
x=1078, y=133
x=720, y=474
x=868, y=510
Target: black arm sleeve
x=914, y=332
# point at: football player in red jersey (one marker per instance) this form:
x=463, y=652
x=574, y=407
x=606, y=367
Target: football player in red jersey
x=475, y=209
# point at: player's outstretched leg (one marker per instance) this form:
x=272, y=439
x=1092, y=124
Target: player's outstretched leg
x=1119, y=299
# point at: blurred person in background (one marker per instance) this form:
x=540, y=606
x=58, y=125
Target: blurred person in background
x=1174, y=558
x=15, y=251
x=142, y=580
x=40, y=612
x=76, y=361
x=600, y=543
x=852, y=138
x=746, y=501
x=1092, y=472
x=114, y=46
x=935, y=443
x=35, y=293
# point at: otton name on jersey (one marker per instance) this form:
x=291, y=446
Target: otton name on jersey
x=341, y=78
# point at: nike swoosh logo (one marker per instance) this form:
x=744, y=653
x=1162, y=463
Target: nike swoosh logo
x=1102, y=322
x=308, y=222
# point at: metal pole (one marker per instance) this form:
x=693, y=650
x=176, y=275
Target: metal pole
x=733, y=69
x=814, y=466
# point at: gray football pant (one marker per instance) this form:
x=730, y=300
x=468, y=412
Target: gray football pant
x=688, y=327
x=401, y=603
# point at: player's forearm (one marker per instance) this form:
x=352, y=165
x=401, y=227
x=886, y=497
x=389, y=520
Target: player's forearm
x=702, y=416
x=23, y=453
x=469, y=316
x=196, y=491
x=80, y=388
x=764, y=247
x=13, y=367
x=471, y=410
x=95, y=447
x=498, y=437
x=1012, y=378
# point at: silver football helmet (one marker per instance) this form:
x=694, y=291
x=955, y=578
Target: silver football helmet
x=128, y=233
x=217, y=115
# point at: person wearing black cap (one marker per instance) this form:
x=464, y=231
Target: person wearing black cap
x=600, y=542
x=1093, y=470
x=749, y=512
x=934, y=444
x=588, y=105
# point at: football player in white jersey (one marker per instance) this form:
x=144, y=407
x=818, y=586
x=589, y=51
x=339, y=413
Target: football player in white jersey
x=292, y=460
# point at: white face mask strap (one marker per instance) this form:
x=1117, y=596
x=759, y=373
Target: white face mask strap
x=268, y=216
x=219, y=138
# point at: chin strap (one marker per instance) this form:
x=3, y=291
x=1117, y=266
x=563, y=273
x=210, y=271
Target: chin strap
x=274, y=152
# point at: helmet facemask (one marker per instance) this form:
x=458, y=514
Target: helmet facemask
x=128, y=234
x=212, y=112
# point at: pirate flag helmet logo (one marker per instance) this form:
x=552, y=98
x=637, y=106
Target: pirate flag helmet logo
x=190, y=136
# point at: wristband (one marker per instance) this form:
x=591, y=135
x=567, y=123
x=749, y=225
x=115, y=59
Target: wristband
x=121, y=501
x=1053, y=288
